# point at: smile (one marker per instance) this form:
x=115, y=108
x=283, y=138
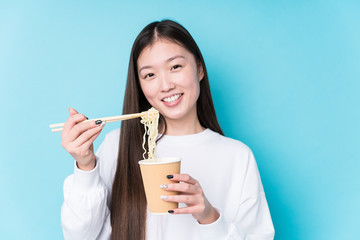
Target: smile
x=172, y=98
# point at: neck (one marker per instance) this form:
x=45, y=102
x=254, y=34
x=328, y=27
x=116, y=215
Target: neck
x=178, y=128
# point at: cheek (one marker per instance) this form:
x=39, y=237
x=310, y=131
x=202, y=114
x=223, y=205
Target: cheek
x=196, y=89
x=192, y=82
x=149, y=90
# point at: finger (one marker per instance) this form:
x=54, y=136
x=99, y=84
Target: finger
x=182, y=178
x=72, y=121
x=88, y=143
x=87, y=135
x=187, y=199
x=72, y=111
x=79, y=129
x=182, y=187
x=185, y=210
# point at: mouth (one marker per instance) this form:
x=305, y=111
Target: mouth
x=172, y=98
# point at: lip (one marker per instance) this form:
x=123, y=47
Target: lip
x=172, y=104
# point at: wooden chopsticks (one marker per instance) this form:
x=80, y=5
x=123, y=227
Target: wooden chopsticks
x=59, y=126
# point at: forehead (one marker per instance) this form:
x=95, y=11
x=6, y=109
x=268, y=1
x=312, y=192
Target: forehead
x=161, y=51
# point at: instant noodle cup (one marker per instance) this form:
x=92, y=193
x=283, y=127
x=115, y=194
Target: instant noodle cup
x=154, y=174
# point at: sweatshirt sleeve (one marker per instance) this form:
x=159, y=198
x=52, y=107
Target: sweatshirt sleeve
x=252, y=220
x=85, y=212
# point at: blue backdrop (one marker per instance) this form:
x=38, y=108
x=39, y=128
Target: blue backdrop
x=285, y=78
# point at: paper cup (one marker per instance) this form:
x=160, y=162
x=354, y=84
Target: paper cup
x=154, y=174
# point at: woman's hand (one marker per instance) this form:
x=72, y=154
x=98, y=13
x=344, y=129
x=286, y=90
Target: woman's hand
x=78, y=138
x=193, y=196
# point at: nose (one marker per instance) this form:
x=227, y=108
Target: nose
x=167, y=83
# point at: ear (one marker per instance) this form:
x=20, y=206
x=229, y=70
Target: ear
x=200, y=72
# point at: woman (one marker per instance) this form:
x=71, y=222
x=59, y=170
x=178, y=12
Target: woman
x=221, y=195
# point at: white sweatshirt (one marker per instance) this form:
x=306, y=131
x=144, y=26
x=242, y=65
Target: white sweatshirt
x=225, y=168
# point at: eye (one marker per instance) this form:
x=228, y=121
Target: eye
x=149, y=75
x=176, y=67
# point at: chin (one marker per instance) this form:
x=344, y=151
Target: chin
x=173, y=116
x=178, y=115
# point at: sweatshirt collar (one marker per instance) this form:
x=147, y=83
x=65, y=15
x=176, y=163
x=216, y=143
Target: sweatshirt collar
x=185, y=140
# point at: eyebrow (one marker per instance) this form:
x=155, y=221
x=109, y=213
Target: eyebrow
x=168, y=60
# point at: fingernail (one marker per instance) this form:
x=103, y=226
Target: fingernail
x=163, y=197
x=87, y=118
x=170, y=176
x=163, y=186
x=102, y=124
x=171, y=211
x=97, y=122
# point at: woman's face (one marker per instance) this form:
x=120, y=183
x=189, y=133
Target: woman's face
x=170, y=79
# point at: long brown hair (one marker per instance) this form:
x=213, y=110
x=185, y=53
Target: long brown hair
x=128, y=202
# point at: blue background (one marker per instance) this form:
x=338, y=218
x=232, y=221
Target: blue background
x=285, y=78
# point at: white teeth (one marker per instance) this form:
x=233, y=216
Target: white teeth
x=172, y=98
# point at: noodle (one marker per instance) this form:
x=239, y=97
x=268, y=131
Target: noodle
x=150, y=119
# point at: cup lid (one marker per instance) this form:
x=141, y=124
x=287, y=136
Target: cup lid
x=160, y=160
